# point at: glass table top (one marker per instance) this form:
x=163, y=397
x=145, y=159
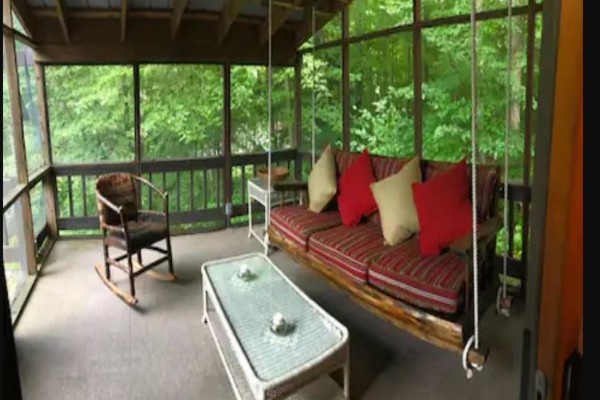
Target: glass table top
x=249, y=307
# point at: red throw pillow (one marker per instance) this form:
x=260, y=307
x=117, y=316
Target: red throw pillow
x=443, y=209
x=354, y=193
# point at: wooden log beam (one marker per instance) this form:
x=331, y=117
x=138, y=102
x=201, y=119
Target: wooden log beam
x=230, y=12
x=196, y=15
x=148, y=40
x=61, y=13
x=23, y=12
x=305, y=29
x=179, y=7
x=123, y=20
x=325, y=10
x=279, y=15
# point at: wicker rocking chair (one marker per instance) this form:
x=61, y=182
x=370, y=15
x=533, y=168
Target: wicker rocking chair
x=125, y=227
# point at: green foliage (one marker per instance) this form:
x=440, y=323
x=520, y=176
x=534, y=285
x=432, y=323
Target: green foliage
x=91, y=113
x=374, y=15
x=322, y=75
x=249, y=108
x=188, y=124
x=91, y=107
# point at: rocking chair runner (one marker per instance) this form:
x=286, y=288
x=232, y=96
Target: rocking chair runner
x=124, y=226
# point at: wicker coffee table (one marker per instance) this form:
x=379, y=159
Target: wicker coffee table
x=262, y=364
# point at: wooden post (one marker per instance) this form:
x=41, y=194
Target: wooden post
x=137, y=121
x=18, y=140
x=137, y=129
x=345, y=80
x=527, y=137
x=561, y=241
x=49, y=182
x=529, y=91
x=227, y=135
x=298, y=115
x=417, y=80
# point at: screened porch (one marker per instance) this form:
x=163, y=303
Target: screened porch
x=180, y=93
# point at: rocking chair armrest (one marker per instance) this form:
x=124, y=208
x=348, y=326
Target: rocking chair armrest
x=113, y=228
x=109, y=204
x=487, y=232
x=290, y=186
x=150, y=185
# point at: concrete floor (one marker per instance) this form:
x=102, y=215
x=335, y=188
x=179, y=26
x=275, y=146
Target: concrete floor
x=75, y=340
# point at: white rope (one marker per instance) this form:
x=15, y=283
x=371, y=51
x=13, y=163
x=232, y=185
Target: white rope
x=506, y=144
x=269, y=83
x=474, y=171
x=313, y=85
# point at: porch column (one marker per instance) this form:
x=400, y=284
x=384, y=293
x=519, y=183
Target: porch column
x=345, y=80
x=49, y=182
x=298, y=115
x=28, y=241
x=227, y=184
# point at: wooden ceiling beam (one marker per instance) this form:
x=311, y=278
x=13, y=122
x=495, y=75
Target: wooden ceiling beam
x=179, y=7
x=61, y=13
x=231, y=9
x=295, y=5
x=23, y=12
x=278, y=17
x=123, y=20
x=155, y=14
x=98, y=41
x=305, y=30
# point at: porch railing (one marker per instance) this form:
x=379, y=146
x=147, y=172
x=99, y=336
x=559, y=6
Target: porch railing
x=196, y=188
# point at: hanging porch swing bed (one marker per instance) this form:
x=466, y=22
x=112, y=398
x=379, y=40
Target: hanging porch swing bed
x=437, y=298
x=430, y=297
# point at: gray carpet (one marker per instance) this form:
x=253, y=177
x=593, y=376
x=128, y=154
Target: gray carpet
x=75, y=340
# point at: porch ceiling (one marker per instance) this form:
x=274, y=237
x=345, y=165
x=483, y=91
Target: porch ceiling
x=97, y=31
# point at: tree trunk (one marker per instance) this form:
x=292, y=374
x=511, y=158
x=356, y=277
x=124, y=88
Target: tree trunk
x=516, y=49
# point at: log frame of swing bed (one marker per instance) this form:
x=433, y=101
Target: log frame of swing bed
x=429, y=326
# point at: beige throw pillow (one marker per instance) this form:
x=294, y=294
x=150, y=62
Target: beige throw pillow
x=322, y=182
x=394, y=199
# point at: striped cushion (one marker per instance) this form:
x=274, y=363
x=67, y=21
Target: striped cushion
x=387, y=166
x=487, y=180
x=430, y=282
x=297, y=223
x=382, y=166
x=344, y=159
x=350, y=249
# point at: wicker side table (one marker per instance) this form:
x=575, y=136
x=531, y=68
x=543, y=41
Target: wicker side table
x=257, y=191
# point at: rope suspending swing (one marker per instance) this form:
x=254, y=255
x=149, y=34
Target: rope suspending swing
x=269, y=88
x=473, y=340
x=313, y=127
x=503, y=301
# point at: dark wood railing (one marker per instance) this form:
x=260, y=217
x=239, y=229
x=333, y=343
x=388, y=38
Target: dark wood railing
x=195, y=186
x=519, y=208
